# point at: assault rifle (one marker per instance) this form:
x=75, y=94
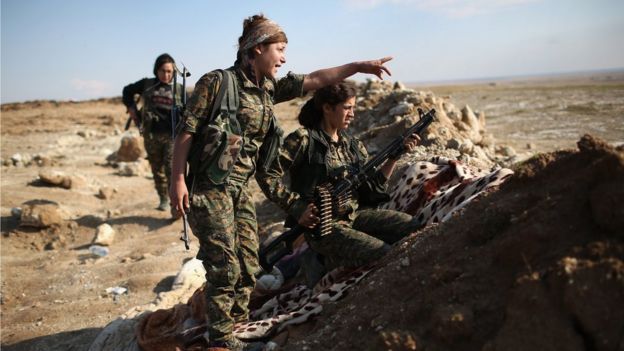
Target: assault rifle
x=176, y=111
x=330, y=199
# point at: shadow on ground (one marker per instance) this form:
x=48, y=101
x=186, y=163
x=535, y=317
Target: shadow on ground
x=77, y=340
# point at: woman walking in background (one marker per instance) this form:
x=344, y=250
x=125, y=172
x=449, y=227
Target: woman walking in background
x=154, y=120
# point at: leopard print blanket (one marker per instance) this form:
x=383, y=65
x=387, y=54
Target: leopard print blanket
x=432, y=191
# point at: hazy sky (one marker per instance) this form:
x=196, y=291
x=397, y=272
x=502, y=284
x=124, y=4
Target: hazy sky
x=78, y=49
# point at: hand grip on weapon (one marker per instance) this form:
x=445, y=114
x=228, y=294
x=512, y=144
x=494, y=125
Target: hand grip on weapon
x=408, y=146
x=133, y=114
x=179, y=196
x=309, y=218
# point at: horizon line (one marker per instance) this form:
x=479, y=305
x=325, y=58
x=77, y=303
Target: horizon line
x=453, y=81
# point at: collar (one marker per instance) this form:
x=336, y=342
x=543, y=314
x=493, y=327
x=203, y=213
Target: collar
x=247, y=83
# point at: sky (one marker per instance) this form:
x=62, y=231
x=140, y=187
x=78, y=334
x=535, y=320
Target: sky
x=77, y=49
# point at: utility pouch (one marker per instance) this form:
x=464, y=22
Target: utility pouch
x=271, y=144
x=221, y=140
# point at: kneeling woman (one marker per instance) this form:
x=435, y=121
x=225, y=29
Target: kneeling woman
x=311, y=155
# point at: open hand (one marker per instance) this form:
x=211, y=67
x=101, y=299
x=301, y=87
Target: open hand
x=375, y=67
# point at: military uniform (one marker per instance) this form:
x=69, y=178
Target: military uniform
x=311, y=158
x=156, y=125
x=223, y=216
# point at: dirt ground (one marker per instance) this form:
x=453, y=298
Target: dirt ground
x=538, y=265
x=53, y=291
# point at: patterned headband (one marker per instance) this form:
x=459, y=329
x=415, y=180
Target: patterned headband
x=262, y=32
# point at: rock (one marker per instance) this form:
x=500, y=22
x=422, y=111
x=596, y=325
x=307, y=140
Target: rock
x=58, y=242
x=16, y=212
x=106, y=193
x=481, y=118
x=506, y=151
x=470, y=119
x=104, y=235
x=61, y=179
x=118, y=335
x=401, y=109
x=21, y=160
x=130, y=150
x=86, y=133
x=466, y=147
x=40, y=214
x=191, y=274
x=43, y=161
x=398, y=86
x=55, y=178
x=453, y=144
x=130, y=169
x=112, y=213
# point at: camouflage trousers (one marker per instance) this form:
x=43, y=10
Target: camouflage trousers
x=223, y=217
x=364, y=240
x=159, y=148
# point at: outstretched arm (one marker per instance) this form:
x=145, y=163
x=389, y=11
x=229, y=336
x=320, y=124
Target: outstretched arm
x=327, y=76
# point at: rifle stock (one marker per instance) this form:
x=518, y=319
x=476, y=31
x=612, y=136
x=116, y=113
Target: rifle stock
x=278, y=248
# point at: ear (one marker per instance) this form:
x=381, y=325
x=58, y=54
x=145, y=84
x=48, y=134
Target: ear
x=258, y=49
x=327, y=108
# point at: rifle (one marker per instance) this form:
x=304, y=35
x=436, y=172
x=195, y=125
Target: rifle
x=331, y=198
x=176, y=111
x=137, y=122
x=185, y=236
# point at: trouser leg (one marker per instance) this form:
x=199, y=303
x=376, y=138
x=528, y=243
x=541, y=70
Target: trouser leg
x=212, y=221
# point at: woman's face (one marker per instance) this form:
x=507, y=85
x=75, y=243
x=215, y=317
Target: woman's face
x=269, y=58
x=165, y=72
x=341, y=115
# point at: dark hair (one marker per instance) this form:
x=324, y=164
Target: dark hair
x=249, y=24
x=161, y=60
x=312, y=111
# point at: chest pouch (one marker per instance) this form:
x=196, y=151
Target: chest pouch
x=221, y=139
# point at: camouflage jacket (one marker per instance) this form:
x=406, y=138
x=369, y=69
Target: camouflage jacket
x=157, y=100
x=311, y=158
x=254, y=113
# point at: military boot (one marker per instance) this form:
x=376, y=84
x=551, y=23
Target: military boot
x=164, y=203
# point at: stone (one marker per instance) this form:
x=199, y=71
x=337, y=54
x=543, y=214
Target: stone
x=470, y=119
x=130, y=169
x=16, y=212
x=453, y=144
x=104, y=235
x=130, y=150
x=402, y=108
x=55, y=178
x=466, y=147
x=40, y=214
x=106, y=193
x=192, y=274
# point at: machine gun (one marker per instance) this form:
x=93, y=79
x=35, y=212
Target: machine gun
x=331, y=198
